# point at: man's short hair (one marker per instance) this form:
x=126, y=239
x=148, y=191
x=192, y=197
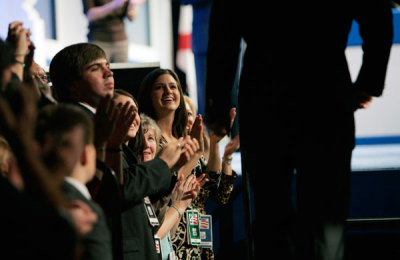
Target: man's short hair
x=55, y=121
x=53, y=126
x=67, y=66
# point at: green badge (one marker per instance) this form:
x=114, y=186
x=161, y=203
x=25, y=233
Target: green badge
x=193, y=227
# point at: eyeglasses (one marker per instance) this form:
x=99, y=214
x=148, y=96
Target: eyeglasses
x=42, y=77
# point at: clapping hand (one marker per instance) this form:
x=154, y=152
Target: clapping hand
x=232, y=146
x=104, y=121
x=198, y=132
x=125, y=115
x=179, y=152
x=187, y=189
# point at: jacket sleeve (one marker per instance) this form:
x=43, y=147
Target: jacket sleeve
x=222, y=194
x=152, y=178
x=377, y=36
x=224, y=47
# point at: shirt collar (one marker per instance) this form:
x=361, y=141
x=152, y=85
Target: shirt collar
x=79, y=186
x=92, y=109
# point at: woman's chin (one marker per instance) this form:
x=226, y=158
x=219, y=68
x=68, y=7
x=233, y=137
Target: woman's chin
x=146, y=157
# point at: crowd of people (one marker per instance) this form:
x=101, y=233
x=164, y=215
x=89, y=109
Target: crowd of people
x=90, y=172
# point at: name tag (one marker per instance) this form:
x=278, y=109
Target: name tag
x=150, y=212
x=193, y=226
x=157, y=242
x=206, y=234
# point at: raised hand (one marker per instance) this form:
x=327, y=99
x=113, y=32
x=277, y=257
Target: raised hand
x=198, y=132
x=179, y=152
x=18, y=36
x=232, y=146
x=125, y=117
x=18, y=112
x=187, y=189
x=181, y=190
x=104, y=121
x=17, y=126
x=217, y=136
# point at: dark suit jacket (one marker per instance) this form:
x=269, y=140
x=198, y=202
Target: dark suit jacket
x=97, y=243
x=152, y=178
x=33, y=229
x=295, y=76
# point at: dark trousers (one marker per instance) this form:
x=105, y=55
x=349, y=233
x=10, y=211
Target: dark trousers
x=301, y=195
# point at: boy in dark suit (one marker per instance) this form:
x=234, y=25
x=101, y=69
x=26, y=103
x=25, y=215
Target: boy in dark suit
x=65, y=132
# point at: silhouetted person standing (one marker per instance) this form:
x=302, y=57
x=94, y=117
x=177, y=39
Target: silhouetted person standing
x=296, y=105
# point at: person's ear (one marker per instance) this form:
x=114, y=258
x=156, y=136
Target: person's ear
x=75, y=90
x=4, y=167
x=45, y=148
x=84, y=156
